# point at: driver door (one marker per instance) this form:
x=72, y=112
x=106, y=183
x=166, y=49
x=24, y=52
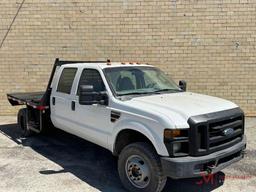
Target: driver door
x=92, y=121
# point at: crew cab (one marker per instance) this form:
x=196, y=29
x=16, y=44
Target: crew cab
x=155, y=127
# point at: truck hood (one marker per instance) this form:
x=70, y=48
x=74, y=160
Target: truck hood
x=180, y=106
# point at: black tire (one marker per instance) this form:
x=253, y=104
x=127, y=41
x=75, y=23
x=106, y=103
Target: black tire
x=22, y=123
x=156, y=179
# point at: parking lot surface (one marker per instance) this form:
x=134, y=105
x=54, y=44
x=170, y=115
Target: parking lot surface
x=63, y=162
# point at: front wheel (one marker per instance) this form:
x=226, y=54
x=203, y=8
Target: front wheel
x=140, y=168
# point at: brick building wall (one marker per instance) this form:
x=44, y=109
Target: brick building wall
x=210, y=43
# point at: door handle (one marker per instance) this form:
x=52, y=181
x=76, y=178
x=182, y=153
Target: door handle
x=73, y=105
x=53, y=101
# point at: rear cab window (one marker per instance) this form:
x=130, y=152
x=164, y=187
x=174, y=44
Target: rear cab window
x=66, y=80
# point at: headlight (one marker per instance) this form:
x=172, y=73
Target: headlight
x=176, y=147
x=177, y=142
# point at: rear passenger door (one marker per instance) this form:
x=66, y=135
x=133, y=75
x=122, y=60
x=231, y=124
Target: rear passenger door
x=61, y=100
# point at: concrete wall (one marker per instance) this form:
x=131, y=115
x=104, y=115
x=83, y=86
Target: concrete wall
x=210, y=43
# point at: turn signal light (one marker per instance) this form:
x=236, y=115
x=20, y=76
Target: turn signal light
x=169, y=134
x=174, y=133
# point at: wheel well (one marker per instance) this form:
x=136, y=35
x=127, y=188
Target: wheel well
x=127, y=137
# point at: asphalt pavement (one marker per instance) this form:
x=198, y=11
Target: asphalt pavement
x=62, y=162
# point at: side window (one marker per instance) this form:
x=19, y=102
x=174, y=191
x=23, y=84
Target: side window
x=66, y=80
x=91, y=77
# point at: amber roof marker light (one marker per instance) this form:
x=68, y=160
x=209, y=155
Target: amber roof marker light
x=108, y=62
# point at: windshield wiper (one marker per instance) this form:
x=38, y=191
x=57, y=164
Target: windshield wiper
x=150, y=92
x=164, y=90
x=134, y=93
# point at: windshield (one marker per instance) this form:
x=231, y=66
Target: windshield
x=139, y=80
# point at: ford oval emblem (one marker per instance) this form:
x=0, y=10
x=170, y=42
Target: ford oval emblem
x=228, y=131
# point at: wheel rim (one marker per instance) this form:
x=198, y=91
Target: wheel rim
x=137, y=171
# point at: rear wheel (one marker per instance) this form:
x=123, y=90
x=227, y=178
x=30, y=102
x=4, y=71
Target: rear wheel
x=140, y=169
x=23, y=123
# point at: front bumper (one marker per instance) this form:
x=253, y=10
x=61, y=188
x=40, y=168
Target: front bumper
x=187, y=167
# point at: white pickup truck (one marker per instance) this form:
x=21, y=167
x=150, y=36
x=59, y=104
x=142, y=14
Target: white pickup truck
x=154, y=126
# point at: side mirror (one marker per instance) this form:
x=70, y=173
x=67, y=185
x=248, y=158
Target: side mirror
x=87, y=96
x=183, y=85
